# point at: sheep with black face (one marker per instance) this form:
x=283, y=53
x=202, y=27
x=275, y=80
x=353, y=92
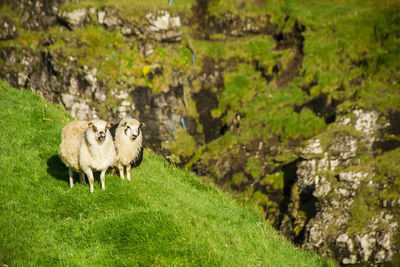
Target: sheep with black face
x=127, y=135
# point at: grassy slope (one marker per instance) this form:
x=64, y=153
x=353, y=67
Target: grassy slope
x=163, y=217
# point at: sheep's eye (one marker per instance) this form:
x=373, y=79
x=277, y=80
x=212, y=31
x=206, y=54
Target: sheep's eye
x=94, y=129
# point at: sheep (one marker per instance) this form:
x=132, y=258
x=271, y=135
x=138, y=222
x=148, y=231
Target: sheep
x=87, y=146
x=71, y=140
x=127, y=136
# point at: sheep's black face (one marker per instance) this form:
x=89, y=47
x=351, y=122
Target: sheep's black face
x=132, y=131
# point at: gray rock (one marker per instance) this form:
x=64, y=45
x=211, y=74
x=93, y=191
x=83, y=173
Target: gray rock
x=22, y=79
x=366, y=243
x=108, y=17
x=352, y=177
x=322, y=187
x=68, y=101
x=75, y=18
x=366, y=123
x=162, y=27
x=167, y=36
x=73, y=87
x=323, y=174
x=82, y=111
x=122, y=94
x=344, y=148
x=146, y=49
x=38, y=15
x=131, y=30
x=91, y=79
x=312, y=149
x=125, y=109
x=8, y=30
x=160, y=21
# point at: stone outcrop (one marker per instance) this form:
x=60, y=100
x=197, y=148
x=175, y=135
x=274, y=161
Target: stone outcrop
x=36, y=14
x=330, y=183
x=159, y=26
x=109, y=18
x=8, y=29
x=75, y=18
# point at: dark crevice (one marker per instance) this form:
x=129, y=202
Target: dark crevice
x=391, y=139
x=223, y=129
x=263, y=70
x=322, y=106
x=307, y=87
x=200, y=16
x=295, y=39
x=206, y=100
x=289, y=39
x=308, y=204
x=63, y=23
x=49, y=66
x=289, y=179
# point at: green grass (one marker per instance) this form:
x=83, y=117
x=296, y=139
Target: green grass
x=164, y=216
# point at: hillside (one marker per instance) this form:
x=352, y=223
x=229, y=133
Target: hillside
x=164, y=216
x=291, y=105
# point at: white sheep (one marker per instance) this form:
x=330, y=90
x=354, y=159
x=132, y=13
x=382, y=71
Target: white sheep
x=71, y=139
x=87, y=146
x=127, y=136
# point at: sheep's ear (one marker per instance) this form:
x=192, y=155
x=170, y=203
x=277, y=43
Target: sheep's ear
x=141, y=125
x=124, y=124
x=91, y=125
x=109, y=125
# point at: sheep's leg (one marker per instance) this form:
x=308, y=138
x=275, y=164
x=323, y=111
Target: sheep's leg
x=103, y=179
x=82, y=177
x=90, y=176
x=128, y=172
x=121, y=171
x=71, y=177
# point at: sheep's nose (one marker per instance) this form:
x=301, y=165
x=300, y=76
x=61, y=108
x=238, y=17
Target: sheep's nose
x=102, y=136
x=134, y=136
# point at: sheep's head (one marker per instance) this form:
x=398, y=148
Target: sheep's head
x=98, y=130
x=132, y=128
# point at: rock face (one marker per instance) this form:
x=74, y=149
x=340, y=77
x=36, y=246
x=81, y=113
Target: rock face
x=74, y=18
x=38, y=15
x=163, y=27
x=109, y=18
x=62, y=79
x=8, y=30
x=331, y=184
x=159, y=26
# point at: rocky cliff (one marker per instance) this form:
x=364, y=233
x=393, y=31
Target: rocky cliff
x=293, y=106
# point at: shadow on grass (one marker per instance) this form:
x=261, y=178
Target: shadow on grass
x=57, y=169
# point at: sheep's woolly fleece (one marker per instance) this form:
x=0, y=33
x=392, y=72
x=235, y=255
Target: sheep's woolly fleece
x=128, y=143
